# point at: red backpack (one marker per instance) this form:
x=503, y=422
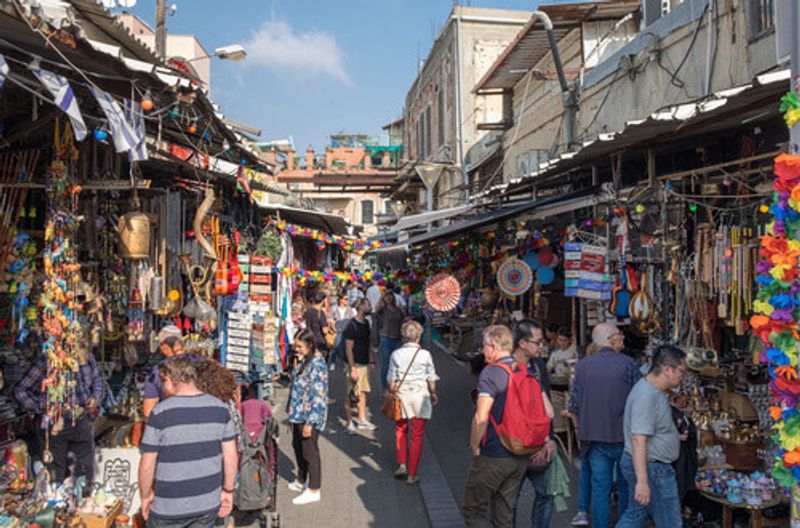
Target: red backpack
x=525, y=426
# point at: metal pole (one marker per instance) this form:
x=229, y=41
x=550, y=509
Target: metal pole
x=459, y=111
x=794, y=30
x=161, y=28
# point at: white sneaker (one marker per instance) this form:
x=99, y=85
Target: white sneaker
x=307, y=497
x=297, y=486
x=351, y=429
x=580, y=519
x=366, y=424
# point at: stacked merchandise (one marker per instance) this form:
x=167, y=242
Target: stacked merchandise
x=594, y=281
x=260, y=279
x=572, y=268
x=238, y=332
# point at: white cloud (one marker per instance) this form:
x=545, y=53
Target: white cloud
x=280, y=47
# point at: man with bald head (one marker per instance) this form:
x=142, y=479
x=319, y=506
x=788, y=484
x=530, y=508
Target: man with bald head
x=602, y=383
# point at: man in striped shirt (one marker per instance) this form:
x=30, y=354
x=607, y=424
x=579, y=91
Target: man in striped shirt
x=189, y=461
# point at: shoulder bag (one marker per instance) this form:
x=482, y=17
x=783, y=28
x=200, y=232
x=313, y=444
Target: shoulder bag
x=392, y=408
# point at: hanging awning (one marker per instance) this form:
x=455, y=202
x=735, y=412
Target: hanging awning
x=716, y=113
x=542, y=209
x=408, y=222
x=331, y=224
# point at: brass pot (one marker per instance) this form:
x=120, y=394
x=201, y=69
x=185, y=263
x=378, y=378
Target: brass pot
x=134, y=236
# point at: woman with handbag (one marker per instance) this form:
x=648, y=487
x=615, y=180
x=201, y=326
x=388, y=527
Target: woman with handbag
x=412, y=385
x=308, y=411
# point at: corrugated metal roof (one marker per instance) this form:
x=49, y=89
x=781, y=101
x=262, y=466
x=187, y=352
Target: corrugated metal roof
x=531, y=44
x=721, y=111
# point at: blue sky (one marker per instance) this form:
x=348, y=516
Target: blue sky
x=314, y=67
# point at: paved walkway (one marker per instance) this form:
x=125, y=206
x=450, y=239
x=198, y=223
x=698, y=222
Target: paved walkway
x=357, y=485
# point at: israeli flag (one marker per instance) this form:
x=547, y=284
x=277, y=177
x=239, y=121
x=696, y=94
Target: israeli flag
x=135, y=116
x=3, y=71
x=125, y=137
x=64, y=97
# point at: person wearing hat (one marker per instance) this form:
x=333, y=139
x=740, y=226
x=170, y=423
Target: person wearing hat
x=170, y=344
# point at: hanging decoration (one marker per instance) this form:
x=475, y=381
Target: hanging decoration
x=442, y=292
x=777, y=305
x=514, y=277
x=351, y=245
x=62, y=331
x=304, y=276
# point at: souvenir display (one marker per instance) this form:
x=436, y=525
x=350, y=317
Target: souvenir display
x=515, y=276
x=442, y=292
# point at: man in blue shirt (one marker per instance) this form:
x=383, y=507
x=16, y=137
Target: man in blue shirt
x=495, y=473
x=601, y=387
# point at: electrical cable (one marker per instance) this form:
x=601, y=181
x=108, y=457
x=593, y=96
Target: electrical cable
x=690, y=47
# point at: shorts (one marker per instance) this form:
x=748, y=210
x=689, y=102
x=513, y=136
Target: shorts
x=362, y=385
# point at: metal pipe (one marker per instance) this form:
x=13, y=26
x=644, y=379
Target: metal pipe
x=459, y=110
x=161, y=28
x=709, y=43
x=567, y=95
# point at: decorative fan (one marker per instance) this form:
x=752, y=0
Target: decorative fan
x=442, y=292
x=514, y=277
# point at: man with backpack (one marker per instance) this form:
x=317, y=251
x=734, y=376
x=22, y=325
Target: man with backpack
x=510, y=425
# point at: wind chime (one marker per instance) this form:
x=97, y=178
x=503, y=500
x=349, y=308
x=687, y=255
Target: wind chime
x=62, y=330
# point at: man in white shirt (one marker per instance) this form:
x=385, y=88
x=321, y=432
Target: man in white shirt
x=374, y=293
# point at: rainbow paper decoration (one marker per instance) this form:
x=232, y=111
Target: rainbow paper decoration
x=777, y=305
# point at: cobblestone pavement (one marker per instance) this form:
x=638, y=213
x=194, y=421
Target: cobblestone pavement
x=357, y=485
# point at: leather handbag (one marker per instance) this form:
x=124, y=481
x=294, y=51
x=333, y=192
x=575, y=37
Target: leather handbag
x=392, y=407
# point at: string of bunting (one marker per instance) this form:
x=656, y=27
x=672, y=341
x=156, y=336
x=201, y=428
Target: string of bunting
x=303, y=276
x=776, y=310
x=358, y=246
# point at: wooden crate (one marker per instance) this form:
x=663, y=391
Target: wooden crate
x=96, y=521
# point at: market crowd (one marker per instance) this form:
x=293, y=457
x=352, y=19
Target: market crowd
x=199, y=434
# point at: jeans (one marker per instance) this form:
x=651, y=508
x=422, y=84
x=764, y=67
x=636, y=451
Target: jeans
x=413, y=453
x=603, y=458
x=77, y=439
x=388, y=345
x=204, y=521
x=664, y=506
x=584, y=484
x=306, y=451
x=542, y=509
x=491, y=489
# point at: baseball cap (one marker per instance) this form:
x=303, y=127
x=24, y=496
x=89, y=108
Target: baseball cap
x=167, y=332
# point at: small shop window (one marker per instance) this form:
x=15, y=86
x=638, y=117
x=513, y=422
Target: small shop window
x=761, y=17
x=367, y=212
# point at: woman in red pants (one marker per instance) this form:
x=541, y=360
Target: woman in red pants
x=412, y=376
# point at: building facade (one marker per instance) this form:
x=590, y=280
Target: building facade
x=442, y=115
x=624, y=67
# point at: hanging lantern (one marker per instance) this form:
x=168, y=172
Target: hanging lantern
x=192, y=129
x=100, y=134
x=147, y=102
